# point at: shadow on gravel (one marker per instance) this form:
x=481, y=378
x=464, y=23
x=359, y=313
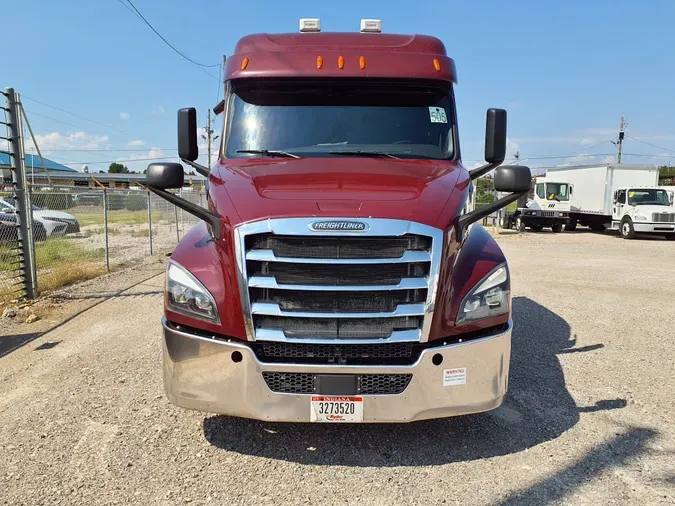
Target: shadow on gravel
x=538, y=408
x=618, y=452
x=13, y=342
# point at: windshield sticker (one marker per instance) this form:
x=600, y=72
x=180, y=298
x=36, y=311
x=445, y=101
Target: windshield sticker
x=453, y=377
x=631, y=194
x=437, y=115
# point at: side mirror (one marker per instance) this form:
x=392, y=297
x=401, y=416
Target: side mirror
x=495, y=136
x=165, y=175
x=187, y=134
x=512, y=178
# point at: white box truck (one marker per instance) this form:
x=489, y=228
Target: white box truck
x=618, y=196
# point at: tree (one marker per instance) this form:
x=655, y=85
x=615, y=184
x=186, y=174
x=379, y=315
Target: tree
x=101, y=172
x=118, y=168
x=666, y=175
x=485, y=190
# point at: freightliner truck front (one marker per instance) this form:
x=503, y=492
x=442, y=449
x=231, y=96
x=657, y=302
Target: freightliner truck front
x=335, y=275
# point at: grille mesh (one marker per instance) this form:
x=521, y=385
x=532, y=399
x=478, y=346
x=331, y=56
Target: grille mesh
x=384, y=384
x=336, y=328
x=337, y=275
x=339, y=247
x=290, y=383
x=367, y=384
x=663, y=217
x=352, y=354
x=340, y=302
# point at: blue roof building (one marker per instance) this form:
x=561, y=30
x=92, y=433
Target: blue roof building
x=33, y=161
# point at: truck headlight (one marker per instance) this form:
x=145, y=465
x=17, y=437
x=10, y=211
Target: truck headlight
x=639, y=217
x=186, y=295
x=489, y=298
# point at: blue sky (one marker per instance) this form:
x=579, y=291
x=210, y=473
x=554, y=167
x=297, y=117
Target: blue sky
x=565, y=71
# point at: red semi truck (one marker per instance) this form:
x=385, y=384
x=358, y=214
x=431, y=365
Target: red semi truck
x=337, y=274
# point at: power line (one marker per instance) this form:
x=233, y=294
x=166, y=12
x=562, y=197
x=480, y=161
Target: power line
x=650, y=144
x=199, y=65
x=53, y=119
x=123, y=161
x=64, y=150
x=72, y=114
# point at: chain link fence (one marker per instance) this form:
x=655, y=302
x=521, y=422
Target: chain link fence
x=11, y=278
x=81, y=233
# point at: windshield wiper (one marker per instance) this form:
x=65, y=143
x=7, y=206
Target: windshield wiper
x=268, y=152
x=374, y=154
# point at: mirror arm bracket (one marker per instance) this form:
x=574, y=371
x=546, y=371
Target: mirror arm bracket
x=203, y=214
x=483, y=169
x=467, y=219
x=204, y=171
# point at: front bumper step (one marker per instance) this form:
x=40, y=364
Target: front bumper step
x=226, y=377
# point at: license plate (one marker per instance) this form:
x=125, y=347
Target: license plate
x=336, y=409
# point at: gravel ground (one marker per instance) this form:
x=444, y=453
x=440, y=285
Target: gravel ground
x=589, y=418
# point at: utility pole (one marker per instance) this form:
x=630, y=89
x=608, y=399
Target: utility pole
x=208, y=135
x=619, y=143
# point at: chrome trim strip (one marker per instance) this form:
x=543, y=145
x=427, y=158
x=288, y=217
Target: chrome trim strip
x=405, y=284
x=398, y=336
x=376, y=227
x=266, y=255
x=263, y=308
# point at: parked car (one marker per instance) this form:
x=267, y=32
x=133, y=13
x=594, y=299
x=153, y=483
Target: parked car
x=9, y=231
x=49, y=219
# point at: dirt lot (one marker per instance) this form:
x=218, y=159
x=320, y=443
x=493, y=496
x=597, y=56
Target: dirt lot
x=589, y=419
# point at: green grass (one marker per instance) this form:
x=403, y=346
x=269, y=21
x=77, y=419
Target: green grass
x=94, y=216
x=60, y=261
x=57, y=250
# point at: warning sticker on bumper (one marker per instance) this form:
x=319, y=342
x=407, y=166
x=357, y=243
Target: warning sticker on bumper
x=452, y=377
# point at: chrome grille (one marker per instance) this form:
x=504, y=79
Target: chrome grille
x=663, y=217
x=548, y=214
x=302, y=285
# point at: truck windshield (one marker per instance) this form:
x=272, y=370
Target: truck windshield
x=648, y=196
x=557, y=191
x=330, y=119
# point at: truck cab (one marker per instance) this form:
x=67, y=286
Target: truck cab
x=546, y=205
x=643, y=210
x=338, y=274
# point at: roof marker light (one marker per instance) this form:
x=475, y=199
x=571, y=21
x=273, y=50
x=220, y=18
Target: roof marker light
x=244, y=63
x=371, y=26
x=319, y=62
x=362, y=62
x=437, y=65
x=310, y=25
x=341, y=62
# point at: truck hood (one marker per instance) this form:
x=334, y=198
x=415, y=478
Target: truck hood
x=419, y=190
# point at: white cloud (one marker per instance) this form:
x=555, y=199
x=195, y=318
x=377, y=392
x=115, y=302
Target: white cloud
x=580, y=159
x=70, y=141
x=158, y=111
x=137, y=143
x=124, y=115
x=609, y=159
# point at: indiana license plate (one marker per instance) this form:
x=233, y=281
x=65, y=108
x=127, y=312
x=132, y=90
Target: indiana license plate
x=336, y=409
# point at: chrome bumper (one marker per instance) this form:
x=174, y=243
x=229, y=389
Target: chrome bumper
x=658, y=228
x=200, y=374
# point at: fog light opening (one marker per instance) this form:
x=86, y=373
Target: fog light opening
x=437, y=359
x=237, y=357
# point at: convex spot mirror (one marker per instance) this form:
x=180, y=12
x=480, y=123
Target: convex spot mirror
x=512, y=178
x=165, y=175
